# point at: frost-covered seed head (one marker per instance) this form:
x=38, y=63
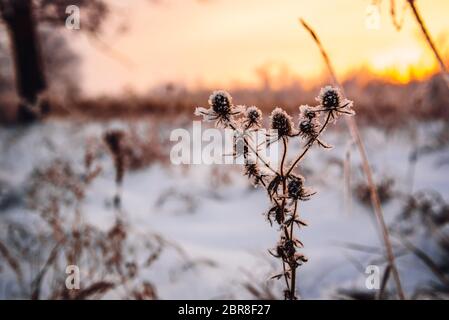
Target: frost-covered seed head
x=254, y=173
x=285, y=248
x=329, y=98
x=295, y=188
x=278, y=212
x=281, y=122
x=221, y=102
x=307, y=112
x=252, y=170
x=279, y=215
x=253, y=117
x=306, y=127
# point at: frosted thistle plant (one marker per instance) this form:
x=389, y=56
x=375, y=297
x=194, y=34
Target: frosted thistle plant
x=285, y=188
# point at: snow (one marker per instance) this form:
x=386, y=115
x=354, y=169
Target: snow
x=222, y=224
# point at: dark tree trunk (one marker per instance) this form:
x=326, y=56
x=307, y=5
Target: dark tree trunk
x=28, y=64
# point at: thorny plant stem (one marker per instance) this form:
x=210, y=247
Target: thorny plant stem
x=308, y=145
x=254, y=151
x=427, y=35
x=287, y=235
x=290, y=286
x=366, y=168
x=258, y=156
x=284, y=155
x=292, y=294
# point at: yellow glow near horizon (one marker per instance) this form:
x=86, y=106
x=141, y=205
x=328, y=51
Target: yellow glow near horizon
x=402, y=65
x=228, y=43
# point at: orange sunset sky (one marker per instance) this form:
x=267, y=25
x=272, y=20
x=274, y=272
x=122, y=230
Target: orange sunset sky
x=221, y=43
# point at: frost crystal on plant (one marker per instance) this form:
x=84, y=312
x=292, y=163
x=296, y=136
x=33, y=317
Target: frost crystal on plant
x=329, y=98
x=253, y=118
x=332, y=101
x=221, y=102
x=296, y=190
x=221, y=110
x=281, y=122
x=307, y=112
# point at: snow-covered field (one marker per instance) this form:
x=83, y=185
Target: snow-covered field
x=215, y=217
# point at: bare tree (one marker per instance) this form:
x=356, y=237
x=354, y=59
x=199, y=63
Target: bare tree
x=22, y=19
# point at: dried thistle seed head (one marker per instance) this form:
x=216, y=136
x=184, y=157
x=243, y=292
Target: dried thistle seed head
x=307, y=112
x=253, y=117
x=278, y=212
x=289, y=248
x=252, y=170
x=309, y=128
x=295, y=187
x=296, y=190
x=273, y=185
x=306, y=127
x=279, y=250
x=285, y=249
x=221, y=109
x=330, y=98
x=281, y=122
x=221, y=102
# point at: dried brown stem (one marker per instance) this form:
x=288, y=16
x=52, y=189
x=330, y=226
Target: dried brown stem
x=397, y=22
x=384, y=282
x=427, y=35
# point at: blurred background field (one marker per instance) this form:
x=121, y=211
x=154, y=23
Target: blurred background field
x=198, y=232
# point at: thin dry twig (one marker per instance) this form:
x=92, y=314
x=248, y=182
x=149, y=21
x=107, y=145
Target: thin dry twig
x=384, y=282
x=366, y=167
x=429, y=40
x=37, y=282
x=397, y=22
x=13, y=263
x=99, y=288
x=427, y=35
